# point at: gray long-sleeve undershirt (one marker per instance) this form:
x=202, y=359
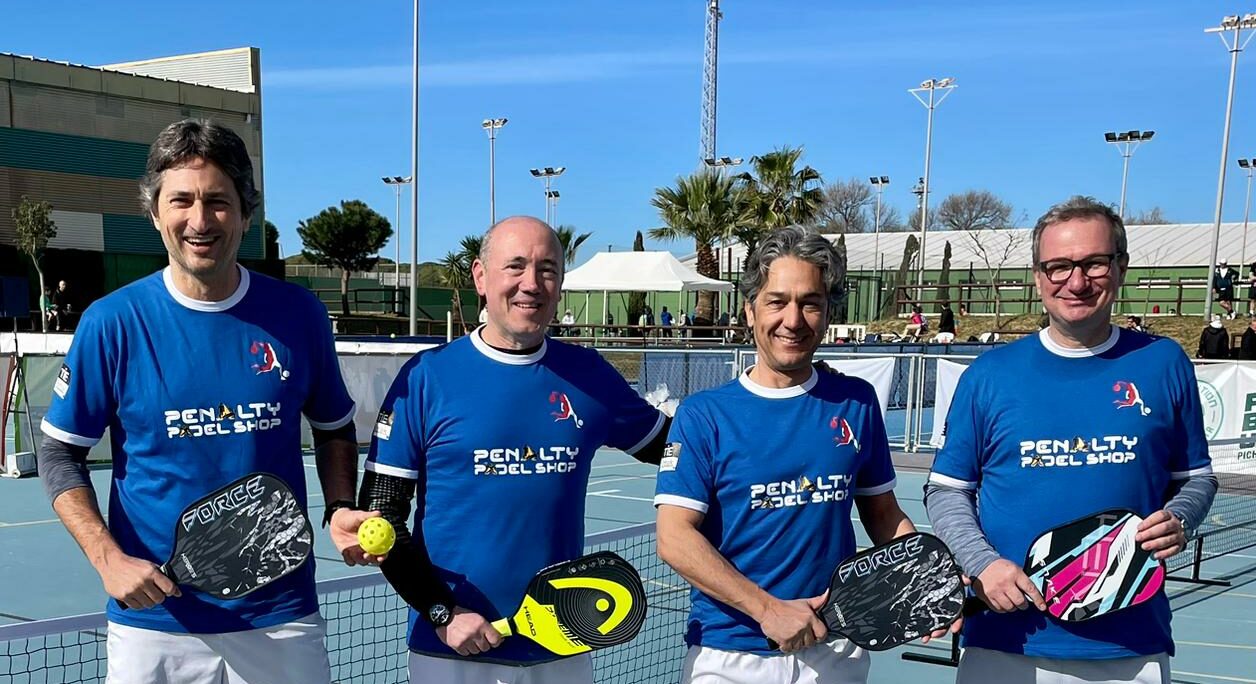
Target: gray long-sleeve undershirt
x=953, y=514
x=62, y=467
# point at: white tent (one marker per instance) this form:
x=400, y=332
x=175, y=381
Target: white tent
x=637, y=272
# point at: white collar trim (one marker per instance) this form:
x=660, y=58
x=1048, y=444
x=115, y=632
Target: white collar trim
x=778, y=393
x=209, y=307
x=502, y=357
x=1070, y=353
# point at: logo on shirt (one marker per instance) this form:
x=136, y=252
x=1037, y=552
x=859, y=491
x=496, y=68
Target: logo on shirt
x=846, y=434
x=525, y=460
x=222, y=420
x=565, y=411
x=62, y=385
x=803, y=491
x=1077, y=452
x=671, y=456
x=1129, y=397
x=383, y=425
x=270, y=360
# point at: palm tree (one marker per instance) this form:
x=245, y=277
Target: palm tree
x=704, y=207
x=456, y=273
x=780, y=194
x=570, y=242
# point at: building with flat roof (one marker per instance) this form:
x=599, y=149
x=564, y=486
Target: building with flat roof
x=78, y=136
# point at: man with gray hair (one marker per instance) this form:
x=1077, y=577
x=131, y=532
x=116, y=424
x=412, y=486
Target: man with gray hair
x=755, y=492
x=202, y=373
x=496, y=433
x=1030, y=438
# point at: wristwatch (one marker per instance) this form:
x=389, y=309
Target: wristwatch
x=439, y=614
x=335, y=506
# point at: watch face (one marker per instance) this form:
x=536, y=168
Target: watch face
x=439, y=614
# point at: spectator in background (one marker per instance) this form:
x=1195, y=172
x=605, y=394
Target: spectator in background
x=1247, y=347
x=45, y=306
x=1214, y=342
x=946, y=320
x=665, y=320
x=963, y=310
x=1223, y=281
x=1251, y=289
x=918, y=326
x=568, y=320
x=61, y=306
x=1134, y=323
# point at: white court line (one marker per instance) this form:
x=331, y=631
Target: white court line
x=621, y=465
x=618, y=496
x=619, y=479
x=29, y=523
x=605, y=492
x=1212, y=676
x=1241, y=647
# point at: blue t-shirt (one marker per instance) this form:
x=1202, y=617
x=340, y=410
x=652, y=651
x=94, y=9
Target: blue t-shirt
x=197, y=394
x=774, y=472
x=665, y=318
x=500, y=446
x=1047, y=435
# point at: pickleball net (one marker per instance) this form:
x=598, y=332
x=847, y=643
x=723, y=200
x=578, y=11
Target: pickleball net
x=366, y=626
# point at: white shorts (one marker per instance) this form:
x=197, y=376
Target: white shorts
x=835, y=662
x=292, y=652
x=981, y=665
x=429, y=670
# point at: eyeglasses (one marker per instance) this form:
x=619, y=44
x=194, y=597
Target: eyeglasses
x=1058, y=271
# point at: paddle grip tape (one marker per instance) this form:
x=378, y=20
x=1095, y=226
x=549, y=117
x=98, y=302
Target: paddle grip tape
x=408, y=567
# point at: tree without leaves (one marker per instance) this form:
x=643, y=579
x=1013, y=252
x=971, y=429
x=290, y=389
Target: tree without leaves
x=892, y=220
x=848, y=207
x=346, y=237
x=913, y=221
x=35, y=228
x=995, y=248
x=1151, y=217
x=975, y=210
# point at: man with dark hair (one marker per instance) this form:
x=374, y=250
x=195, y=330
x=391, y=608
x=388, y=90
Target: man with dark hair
x=1081, y=418
x=496, y=432
x=758, y=556
x=202, y=373
x=1223, y=282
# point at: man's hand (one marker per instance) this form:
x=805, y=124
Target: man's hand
x=1162, y=533
x=794, y=625
x=344, y=534
x=469, y=633
x=1004, y=587
x=134, y=582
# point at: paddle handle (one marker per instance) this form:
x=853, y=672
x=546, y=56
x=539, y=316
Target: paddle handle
x=973, y=606
x=503, y=627
x=163, y=569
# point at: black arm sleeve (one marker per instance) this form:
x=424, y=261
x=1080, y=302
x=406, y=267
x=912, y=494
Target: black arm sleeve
x=408, y=567
x=337, y=467
x=652, y=452
x=62, y=467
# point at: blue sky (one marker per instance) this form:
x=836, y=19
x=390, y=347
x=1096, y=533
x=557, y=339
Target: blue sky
x=612, y=91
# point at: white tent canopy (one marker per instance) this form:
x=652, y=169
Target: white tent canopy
x=639, y=272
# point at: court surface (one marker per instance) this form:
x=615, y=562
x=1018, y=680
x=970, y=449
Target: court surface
x=44, y=575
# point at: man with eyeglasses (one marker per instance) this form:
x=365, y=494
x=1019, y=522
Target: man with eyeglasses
x=1080, y=418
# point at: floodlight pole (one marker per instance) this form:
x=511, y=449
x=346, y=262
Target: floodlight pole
x=414, y=193
x=931, y=86
x=1235, y=26
x=1250, y=167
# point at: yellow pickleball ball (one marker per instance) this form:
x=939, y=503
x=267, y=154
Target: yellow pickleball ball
x=376, y=536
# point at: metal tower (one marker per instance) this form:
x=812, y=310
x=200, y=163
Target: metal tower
x=709, y=68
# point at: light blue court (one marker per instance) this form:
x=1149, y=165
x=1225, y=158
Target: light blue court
x=43, y=575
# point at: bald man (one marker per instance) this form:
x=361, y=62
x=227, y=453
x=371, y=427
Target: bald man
x=496, y=432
